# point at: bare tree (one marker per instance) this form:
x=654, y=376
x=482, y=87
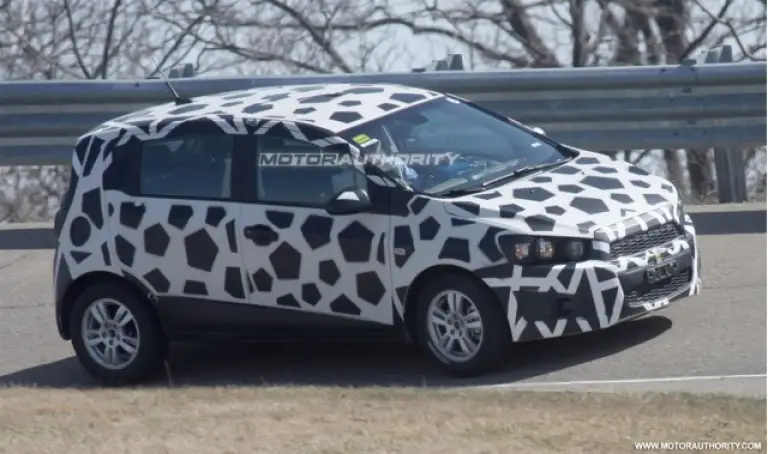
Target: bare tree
x=83, y=39
x=75, y=39
x=294, y=36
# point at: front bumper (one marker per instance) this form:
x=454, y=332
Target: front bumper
x=547, y=301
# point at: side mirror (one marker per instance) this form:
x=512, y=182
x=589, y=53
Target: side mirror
x=538, y=130
x=349, y=201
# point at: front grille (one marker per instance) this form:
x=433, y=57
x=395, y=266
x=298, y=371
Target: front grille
x=642, y=241
x=670, y=288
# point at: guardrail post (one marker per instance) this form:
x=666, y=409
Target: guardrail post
x=452, y=62
x=185, y=70
x=729, y=164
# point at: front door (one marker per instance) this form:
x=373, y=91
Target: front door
x=314, y=267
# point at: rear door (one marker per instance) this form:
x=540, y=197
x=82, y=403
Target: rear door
x=172, y=213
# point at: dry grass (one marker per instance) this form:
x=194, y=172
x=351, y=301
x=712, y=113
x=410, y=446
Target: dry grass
x=357, y=421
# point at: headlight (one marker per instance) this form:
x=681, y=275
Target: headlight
x=528, y=249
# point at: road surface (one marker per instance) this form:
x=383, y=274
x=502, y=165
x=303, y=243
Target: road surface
x=715, y=342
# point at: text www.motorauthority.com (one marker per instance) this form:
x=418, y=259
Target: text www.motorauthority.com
x=698, y=445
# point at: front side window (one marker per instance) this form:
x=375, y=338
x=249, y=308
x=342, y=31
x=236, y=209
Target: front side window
x=297, y=173
x=192, y=166
x=448, y=143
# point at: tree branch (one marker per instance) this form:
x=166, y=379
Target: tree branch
x=102, y=68
x=727, y=24
x=73, y=40
x=696, y=42
x=317, y=38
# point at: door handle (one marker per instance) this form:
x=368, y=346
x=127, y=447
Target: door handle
x=260, y=234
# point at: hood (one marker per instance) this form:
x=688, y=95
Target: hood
x=575, y=199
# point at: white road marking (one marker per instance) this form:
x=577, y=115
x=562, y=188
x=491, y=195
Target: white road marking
x=623, y=381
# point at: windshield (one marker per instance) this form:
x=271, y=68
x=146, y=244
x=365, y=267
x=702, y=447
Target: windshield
x=448, y=144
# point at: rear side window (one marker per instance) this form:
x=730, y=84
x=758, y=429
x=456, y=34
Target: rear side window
x=190, y=166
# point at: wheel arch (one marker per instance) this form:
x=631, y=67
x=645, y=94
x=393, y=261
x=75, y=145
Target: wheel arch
x=418, y=284
x=87, y=280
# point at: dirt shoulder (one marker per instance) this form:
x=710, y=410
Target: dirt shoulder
x=355, y=421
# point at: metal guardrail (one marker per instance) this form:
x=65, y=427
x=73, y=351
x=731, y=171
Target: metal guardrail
x=691, y=105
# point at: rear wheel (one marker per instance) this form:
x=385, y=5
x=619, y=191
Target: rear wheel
x=462, y=326
x=116, y=335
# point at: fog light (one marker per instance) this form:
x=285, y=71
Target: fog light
x=545, y=249
x=574, y=250
x=567, y=307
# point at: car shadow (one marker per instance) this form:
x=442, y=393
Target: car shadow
x=387, y=365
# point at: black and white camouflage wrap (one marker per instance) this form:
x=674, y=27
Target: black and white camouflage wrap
x=361, y=266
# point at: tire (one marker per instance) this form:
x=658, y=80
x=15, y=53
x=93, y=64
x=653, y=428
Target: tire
x=493, y=345
x=151, y=348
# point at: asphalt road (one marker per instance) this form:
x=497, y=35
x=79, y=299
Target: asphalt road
x=715, y=342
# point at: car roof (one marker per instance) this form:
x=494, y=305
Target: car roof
x=334, y=107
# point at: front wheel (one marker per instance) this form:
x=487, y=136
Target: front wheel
x=116, y=335
x=462, y=326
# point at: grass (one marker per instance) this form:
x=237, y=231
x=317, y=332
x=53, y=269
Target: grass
x=356, y=421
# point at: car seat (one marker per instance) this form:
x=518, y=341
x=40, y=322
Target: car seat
x=312, y=185
x=293, y=184
x=157, y=167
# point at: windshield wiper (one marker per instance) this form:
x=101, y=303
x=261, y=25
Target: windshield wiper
x=457, y=192
x=522, y=171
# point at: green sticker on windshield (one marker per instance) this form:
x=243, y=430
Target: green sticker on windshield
x=361, y=139
x=364, y=140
